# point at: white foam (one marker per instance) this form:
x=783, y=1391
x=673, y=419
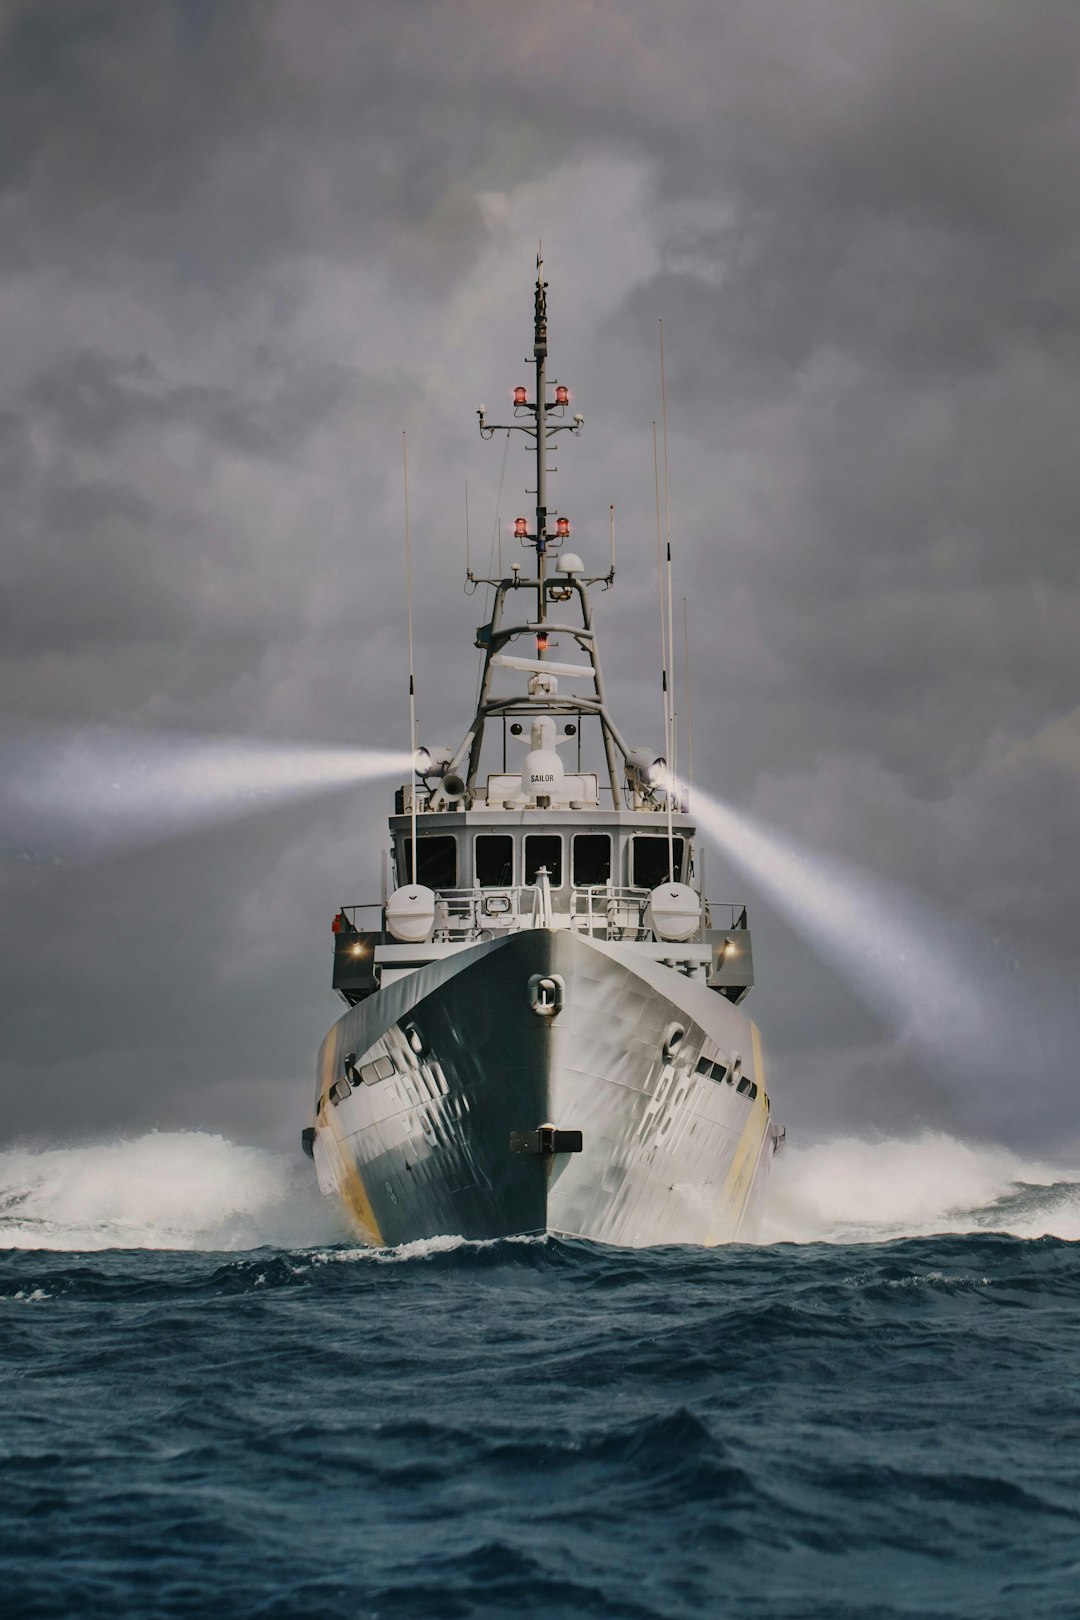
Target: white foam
x=168, y=1190
x=854, y=1190
x=193, y=1190
x=424, y=1248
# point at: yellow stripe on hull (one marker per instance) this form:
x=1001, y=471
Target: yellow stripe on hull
x=348, y=1180
x=741, y=1174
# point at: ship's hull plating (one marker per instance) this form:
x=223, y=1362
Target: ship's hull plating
x=457, y=1056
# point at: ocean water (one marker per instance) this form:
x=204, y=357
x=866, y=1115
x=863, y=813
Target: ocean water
x=214, y=1404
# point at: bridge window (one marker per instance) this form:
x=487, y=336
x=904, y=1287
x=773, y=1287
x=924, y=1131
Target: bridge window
x=436, y=861
x=592, y=859
x=649, y=861
x=493, y=854
x=711, y=1071
x=543, y=849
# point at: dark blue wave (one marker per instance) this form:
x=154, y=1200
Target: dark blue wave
x=544, y=1428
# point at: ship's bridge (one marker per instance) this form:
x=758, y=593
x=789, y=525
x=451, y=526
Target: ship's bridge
x=485, y=874
x=546, y=839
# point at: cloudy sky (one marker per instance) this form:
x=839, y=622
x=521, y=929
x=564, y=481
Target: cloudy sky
x=246, y=244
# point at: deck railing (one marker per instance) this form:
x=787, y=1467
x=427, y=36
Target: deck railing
x=607, y=912
x=603, y=911
x=467, y=914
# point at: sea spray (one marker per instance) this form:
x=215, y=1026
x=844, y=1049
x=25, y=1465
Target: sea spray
x=193, y=1190
x=853, y=1190
x=168, y=1190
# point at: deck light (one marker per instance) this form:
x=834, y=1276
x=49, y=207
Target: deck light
x=519, y=396
x=521, y=528
x=562, y=395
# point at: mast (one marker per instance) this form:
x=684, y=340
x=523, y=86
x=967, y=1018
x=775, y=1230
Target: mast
x=540, y=355
x=669, y=671
x=412, y=672
x=531, y=417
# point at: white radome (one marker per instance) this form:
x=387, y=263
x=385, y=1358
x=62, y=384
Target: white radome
x=674, y=911
x=410, y=913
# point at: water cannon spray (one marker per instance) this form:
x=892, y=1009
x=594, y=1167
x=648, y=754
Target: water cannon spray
x=91, y=790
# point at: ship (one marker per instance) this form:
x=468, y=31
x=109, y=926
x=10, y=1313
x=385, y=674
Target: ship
x=545, y=1030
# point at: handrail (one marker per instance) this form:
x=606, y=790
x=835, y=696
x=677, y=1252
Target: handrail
x=607, y=910
x=714, y=910
x=425, y=797
x=610, y=911
x=350, y=911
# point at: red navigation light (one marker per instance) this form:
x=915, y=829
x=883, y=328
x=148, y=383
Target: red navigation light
x=562, y=395
x=562, y=528
x=519, y=396
x=521, y=528
x=541, y=641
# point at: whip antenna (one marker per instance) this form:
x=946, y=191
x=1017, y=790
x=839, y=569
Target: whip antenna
x=689, y=712
x=669, y=684
x=663, y=654
x=412, y=677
